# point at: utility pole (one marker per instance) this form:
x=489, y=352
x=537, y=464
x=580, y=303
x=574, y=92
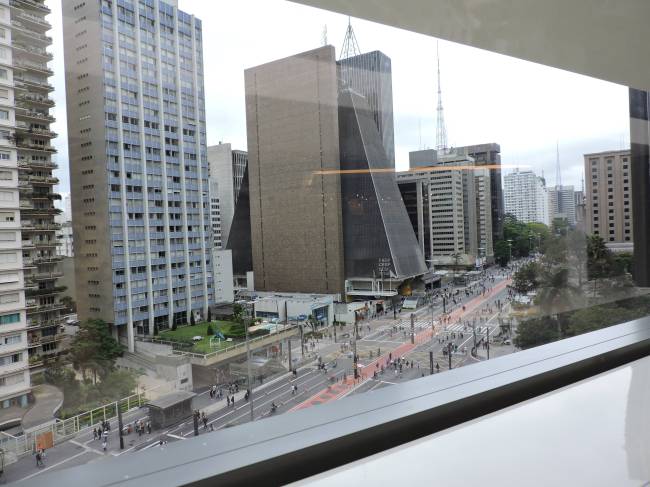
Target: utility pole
x=431, y=362
x=412, y=328
x=444, y=304
x=354, y=346
x=248, y=366
x=433, y=328
x=487, y=341
x=449, y=346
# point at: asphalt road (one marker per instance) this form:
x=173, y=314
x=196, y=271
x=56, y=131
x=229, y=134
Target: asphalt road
x=379, y=337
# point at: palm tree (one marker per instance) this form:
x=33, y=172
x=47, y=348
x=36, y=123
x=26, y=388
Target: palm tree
x=557, y=294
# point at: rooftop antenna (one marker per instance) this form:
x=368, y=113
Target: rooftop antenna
x=558, y=171
x=324, y=35
x=441, y=128
x=350, y=45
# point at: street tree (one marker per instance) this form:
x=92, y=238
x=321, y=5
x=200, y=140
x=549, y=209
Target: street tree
x=526, y=278
x=94, y=350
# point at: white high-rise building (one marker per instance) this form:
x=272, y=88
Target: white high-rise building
x=29, y=306
x=138, y=164
x=562, y=203
x=526, y=197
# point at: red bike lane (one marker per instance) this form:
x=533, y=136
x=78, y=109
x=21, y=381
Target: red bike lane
x=339, y=389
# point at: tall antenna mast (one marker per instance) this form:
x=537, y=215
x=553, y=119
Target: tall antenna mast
x=558, y=171
x=350, y=45
x=441, y=128
x=324, y=35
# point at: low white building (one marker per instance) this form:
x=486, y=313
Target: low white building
x=290, y=307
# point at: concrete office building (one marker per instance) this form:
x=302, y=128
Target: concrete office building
x=138, y=164
x=562, y=204
x=526, y=197
x=457, y=202
x=362, y=229
x=609, y=195
x=29, y=292
x=581, y=211
x=293, y=251
x=490, y=155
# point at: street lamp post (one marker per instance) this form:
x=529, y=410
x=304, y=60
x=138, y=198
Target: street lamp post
x=449, y=347
x=509, y=250
x=248, y=366
x=354, y=351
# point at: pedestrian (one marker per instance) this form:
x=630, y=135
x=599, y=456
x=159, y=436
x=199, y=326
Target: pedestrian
x=104, y=445
x=232, y=400
x=140, y=429
x=228, y=400
x=94, y=434
x=211, y=427
x=205, y=421
x=149, y=427
x=39, y=459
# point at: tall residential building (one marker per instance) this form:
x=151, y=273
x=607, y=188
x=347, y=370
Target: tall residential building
x=303, y=130
x=138, y=164
x=370, y=75
x=456, y=193
x=562, y=204
x=609, y=195
x=490, y=155
x=29, y=292
x=526, y=197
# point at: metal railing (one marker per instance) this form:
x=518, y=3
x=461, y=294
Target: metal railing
x=205, y=356
x=64, y=429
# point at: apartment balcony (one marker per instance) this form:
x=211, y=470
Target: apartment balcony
x=29, y=209
x=40, y=179
x=32, y=21
x=31, y=52
x=29, y=225
x=45, y=292
x=34, y=99
x=27, y=165
x=20, y=29
x=35, y=323
x=35, y=147
x=40, y=68
x=21, y=83
x=37, y=341
x=43, y=308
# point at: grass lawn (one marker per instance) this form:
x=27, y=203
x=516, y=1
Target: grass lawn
x=185, y=334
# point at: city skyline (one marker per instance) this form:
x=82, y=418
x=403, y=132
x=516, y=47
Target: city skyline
x=525, y=108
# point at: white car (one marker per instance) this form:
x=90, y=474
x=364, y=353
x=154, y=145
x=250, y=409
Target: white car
x=197, y=338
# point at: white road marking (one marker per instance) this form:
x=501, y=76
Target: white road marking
x=60, y=463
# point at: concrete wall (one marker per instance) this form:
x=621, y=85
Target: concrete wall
x=292, y=127
x=68, y=280
x=88, y=175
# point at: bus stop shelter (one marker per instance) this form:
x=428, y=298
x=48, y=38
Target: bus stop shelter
x=170, y=409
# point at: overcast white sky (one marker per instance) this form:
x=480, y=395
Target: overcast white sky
x=487, y=97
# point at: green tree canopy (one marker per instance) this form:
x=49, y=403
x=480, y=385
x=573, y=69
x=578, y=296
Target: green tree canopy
x=536, y=331
x=94, y=349
x=527, y=278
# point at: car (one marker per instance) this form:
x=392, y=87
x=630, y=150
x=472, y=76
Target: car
x=197, y=338
x=507, y=342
